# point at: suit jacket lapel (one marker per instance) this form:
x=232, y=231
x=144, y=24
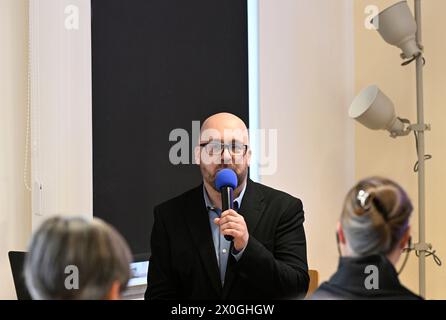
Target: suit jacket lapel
x=252, y=209
x=198, y=223
x=252, y=206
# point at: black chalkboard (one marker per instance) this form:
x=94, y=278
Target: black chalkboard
x=158, y=65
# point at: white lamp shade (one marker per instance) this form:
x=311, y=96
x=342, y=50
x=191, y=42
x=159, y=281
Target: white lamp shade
x=375, y=110
x=398, y=27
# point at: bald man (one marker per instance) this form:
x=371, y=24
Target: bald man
x=191, y=259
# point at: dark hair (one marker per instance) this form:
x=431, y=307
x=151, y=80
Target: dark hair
x=375, y=216
x=95, y=248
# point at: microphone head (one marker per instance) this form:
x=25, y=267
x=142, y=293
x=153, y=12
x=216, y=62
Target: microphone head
x=226, y=178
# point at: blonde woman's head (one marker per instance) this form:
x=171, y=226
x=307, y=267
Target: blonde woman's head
x=375, y=218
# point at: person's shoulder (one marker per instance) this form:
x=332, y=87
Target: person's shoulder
x=271, y=194
x=325, y=292
x=179, y=202
x=328, y=291
x=407, y=294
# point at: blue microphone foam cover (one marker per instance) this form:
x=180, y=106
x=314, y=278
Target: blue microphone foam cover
x=226, y=178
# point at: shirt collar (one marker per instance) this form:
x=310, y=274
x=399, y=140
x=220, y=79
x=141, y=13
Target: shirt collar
x=350, y=273
x=208, y=201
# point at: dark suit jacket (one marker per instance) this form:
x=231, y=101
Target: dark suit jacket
x=183, y=264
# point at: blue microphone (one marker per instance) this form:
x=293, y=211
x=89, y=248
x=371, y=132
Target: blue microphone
x=226, y=182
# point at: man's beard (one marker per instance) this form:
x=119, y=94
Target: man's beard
x=241, y=176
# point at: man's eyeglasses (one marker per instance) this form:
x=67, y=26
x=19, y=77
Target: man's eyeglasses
x=214, y=148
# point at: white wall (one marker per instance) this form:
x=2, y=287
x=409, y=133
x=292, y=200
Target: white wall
x=15, y=200
x=61, y=108
x=306, y=85
x=61, y=150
